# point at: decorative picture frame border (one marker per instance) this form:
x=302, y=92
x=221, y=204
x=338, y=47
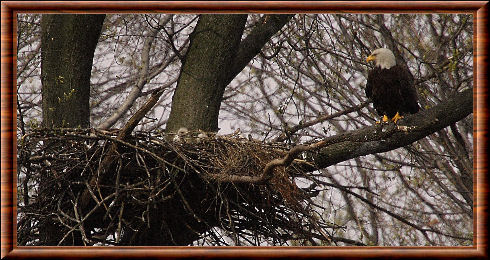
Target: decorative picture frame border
x=9, y=10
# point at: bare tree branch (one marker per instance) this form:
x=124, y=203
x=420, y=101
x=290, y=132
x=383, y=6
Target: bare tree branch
x=143, y=78
x=253, y=43
x=370, y=140
x=374, y=139
x=304, y=125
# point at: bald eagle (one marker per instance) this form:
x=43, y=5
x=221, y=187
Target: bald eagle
x=390, y=87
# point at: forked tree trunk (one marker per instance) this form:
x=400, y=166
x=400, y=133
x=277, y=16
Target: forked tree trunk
x=206, y=66
x=215, y=55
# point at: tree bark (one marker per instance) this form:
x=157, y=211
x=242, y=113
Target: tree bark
x=67, y=50
x=215, y=56
x=374, y=139
x=202, y=81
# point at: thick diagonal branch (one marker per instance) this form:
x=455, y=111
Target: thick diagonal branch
x=370, y=140
x=253, y=43
x=412, y=128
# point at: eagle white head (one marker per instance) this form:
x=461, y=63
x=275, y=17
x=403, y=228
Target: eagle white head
x=384, y=58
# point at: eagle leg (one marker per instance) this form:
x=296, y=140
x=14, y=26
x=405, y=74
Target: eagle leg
x=396, y=117
x=385, y=119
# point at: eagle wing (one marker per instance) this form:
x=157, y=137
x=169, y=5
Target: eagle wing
x=369, y=86
x=408, y=90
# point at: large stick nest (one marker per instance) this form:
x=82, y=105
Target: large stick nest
x=152, y=190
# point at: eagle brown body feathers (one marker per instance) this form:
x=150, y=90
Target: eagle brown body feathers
x=391, y=91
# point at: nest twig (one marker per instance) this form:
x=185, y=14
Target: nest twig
x=154, y=190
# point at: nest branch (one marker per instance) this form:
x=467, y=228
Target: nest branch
x=182, y=189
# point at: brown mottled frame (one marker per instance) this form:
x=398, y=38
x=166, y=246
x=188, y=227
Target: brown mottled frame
x=9, y=11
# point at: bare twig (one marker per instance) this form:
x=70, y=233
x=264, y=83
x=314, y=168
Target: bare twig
x=143, y=77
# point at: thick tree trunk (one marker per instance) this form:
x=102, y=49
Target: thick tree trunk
x=206, y=66
x=195, y=105
x=215, y=56
x=67, y=50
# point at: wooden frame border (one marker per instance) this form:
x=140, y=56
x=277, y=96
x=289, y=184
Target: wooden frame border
x=9, y=10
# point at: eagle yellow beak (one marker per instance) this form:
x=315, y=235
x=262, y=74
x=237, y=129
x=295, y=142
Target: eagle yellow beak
x=370, y=58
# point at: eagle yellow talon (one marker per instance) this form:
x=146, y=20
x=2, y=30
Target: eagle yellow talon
x=384, y=120
x=396, y=117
